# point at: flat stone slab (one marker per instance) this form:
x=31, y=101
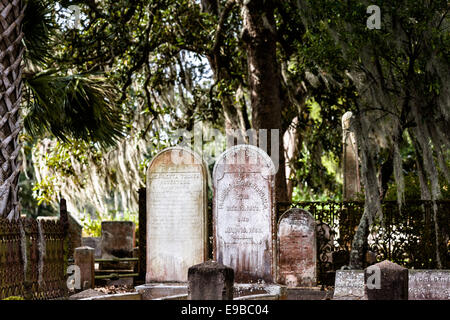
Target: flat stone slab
x=429, y=285
x=117, y=296
x=274, y=291
x=89, y=293
x=349, y=285
x=154, y=291
x=308, y=293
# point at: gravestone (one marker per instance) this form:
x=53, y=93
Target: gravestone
x=392, y=282
x=352, y=184
x=349, y=285
x=297, y=249
x=93, y=242
x=84, y=259
x=117, y=241
x=176, y=214
x=243, y=213
x=210, y=281
x=429, y=285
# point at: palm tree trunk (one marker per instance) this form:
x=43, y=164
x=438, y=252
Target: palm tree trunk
x=11, y=51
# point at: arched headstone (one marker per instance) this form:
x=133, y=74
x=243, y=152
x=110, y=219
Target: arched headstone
x=244, y=214
x=297, y=264
x=176, y=214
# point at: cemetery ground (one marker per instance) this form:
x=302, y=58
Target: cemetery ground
x=244, y=250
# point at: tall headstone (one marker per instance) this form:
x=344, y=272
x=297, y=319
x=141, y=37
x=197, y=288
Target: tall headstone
x=297, y=249
x=176, y=214
x=352, y=184
x=244, y=213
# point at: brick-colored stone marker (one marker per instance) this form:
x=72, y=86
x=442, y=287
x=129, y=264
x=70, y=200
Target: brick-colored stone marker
x=392, y=284
x=84, y=259
x=210, y=281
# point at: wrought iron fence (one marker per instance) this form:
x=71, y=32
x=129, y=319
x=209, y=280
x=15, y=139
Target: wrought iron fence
x=33, y=258
x=406, y=236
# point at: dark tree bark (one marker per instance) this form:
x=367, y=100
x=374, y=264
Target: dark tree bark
x=11, y=51
x=259, y=36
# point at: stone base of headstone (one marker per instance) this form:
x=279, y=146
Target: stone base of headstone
x=308, y=293
x=349, y=285
x=127, y=282
x=242, y=291
x=86, y=294
x=151, y=291
x=392, y=284
x=210, y=281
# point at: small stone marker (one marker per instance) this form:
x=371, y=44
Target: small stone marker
x=210, y=281
x=349, y=285
x=392, y=282
x=84, y=259
x=297, y=249
x=118, y=239
x=243, y=213
x=176, y=214
x=429, y=285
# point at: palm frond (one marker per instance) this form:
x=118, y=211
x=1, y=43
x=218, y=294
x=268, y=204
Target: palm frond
x=73, y=107
x=39, y=29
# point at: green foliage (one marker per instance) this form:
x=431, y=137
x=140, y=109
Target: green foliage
x=92, y=227
x=80, y=107
x=14, y=298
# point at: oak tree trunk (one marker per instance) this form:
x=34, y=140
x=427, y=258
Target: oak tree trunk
x=259, y=36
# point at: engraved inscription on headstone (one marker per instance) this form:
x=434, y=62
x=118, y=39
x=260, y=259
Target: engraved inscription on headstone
x=349, y=285
x=244, y=214
x=429, y=285
x=176, y=214
x=297, y=249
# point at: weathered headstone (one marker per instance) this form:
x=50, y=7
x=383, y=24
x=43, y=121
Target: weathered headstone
x=243, y=213
x=352, y=184
x=75, y=234
x=84, y=259
x=176, y=214
x=429, y=285
x=297, y=249
x=118, y=239
x=386, y=281
x=210, y=281
x=349, y=285
x=93, y=242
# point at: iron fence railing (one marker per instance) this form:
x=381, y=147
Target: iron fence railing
x=405, y=235
x=33, y=258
